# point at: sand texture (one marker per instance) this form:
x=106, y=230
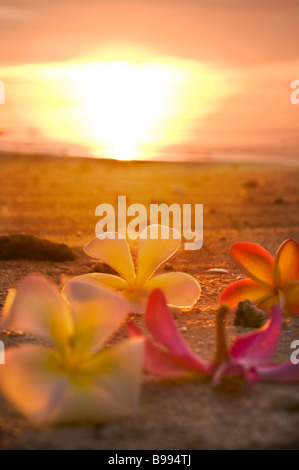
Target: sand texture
x=55, y=198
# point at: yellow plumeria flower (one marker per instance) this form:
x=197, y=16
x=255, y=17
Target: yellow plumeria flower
x=73, y=381
x=180, y=289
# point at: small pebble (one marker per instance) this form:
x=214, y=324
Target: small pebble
x=218, y=270
x=249, y=316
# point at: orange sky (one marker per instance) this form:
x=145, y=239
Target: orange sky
x=150, y=78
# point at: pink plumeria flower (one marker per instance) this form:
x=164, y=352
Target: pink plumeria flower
x=168, y=356
x=166, y=352
x=271, y=281
x=77, y=379
x=181, y=289
x=250, y=355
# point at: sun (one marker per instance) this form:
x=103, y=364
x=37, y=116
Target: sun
x=123, y=104
x=121, y=109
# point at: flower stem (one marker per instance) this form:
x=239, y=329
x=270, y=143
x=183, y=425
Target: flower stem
x=221, y=352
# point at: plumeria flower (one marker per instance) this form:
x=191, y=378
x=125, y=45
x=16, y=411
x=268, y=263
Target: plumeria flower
x=77, y=379
x=180, y=289
x=250, y=355
x=166, y=352
x=168, y=356
x=271, y=281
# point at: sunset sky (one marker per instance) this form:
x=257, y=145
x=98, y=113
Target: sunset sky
x=178, y=80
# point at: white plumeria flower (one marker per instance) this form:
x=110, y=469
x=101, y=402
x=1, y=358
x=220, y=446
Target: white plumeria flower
x=74, y=381
x=180, y=289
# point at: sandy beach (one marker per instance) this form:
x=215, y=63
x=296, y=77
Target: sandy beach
x=55, y=198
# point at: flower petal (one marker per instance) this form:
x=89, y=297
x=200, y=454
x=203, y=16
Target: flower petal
x=105, y=280
x=284, y=372
x=114, y=250
x=259, y=347
x=180, y=289
x=156, y=244
x=291, y=293
x=106, y=388
x=162, y=363
x=286, y=263
x=38, y=308
x=254, y=261
x=136, y=297
x=161, y=325
x=164, y=330
x=245, y=289
x=97, y=311
x=29, y=381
